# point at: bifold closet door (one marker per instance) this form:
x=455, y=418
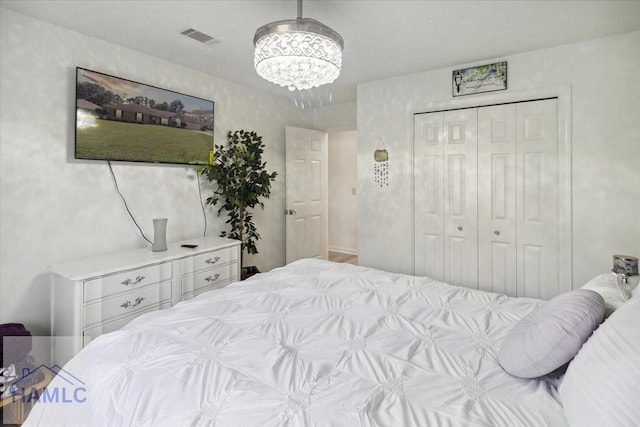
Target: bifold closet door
x=518, y=246
x=445, y=169
x=428, y=188
x=537, y=166
x=497, y=261
x=460, y=169
x=486, y=198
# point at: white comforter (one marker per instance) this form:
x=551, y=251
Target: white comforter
x=311, y=344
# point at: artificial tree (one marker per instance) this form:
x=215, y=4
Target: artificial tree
x=241, y=181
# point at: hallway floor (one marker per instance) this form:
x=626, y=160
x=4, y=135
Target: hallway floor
x=346, y=258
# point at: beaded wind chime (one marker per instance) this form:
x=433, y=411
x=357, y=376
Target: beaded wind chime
x=381, y=165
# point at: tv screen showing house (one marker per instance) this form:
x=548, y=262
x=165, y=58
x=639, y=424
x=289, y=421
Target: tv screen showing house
x=118, y=119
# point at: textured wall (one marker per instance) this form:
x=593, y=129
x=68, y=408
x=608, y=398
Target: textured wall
x=335, y=117
x=605, y=149
x=55, y=208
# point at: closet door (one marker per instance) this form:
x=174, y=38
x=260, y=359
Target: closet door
x=460, y=153
x=486, y=198
x=497, y=199
x=445, y=169
x=428, y=187
x=538, y=249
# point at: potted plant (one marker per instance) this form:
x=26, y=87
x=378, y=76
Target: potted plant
x=242, y=181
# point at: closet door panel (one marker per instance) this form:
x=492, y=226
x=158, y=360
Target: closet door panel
x=537, y=200
x=487, y=189
x=460, y=197
x=428, y=182
x=497, y=199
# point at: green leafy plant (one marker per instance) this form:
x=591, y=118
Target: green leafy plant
x=242, y=180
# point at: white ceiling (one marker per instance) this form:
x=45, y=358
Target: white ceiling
x=383, y=38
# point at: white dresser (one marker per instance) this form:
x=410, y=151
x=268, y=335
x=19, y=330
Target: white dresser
x=93, y=296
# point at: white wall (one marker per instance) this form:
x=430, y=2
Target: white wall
x=605, y=149
x=54, y=208
x=343, y=179
x=335, y=117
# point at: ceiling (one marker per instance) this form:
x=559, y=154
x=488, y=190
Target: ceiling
x=383, y=38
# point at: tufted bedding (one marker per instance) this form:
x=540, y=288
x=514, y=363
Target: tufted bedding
x=314, y=343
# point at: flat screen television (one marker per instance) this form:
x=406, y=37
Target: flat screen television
x=119, y=119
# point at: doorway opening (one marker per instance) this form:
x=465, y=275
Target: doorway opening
x=342, y=196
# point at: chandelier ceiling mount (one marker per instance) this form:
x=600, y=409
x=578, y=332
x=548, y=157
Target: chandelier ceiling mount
x=298, y=53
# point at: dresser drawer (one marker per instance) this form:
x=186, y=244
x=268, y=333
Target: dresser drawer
x=104, y=287
x=99, y=294
x=103, y=328
x=211, y=278
x=128, y=303
x=209, y=259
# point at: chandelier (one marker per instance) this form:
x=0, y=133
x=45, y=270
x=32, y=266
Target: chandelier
x=298, y=53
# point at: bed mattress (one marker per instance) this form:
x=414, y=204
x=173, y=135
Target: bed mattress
x=314, y=343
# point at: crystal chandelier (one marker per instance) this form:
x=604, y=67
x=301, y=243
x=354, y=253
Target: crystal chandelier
x=298, y=53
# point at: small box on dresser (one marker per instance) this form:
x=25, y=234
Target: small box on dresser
x=101, y=294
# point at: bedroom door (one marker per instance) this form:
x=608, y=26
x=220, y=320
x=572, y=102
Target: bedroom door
x=306, y=194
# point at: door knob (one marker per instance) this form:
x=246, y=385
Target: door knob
x=497, y=232
x=459, y=228
x=289, y=211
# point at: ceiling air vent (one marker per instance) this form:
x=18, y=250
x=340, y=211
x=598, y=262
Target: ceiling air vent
x=197, y=35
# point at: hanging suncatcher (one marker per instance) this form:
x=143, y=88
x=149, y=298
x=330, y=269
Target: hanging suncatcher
x=381, y=165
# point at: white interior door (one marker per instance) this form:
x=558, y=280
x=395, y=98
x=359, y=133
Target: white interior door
x=487, y=198
x=445, y=169
x=428, y=186
x=306, y=194
x=497, y=199
x=538, y=199
x=460, y=147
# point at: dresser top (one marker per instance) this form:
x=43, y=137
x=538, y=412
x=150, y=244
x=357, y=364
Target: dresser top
x=125, y=260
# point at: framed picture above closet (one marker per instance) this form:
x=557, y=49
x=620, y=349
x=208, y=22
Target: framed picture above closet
x=479, y=79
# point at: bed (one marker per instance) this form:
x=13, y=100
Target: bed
x=314, y=343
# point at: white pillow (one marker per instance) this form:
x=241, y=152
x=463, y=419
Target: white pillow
x=614, y=295
x=602, y=384
x=551, y=335
x=635, y=285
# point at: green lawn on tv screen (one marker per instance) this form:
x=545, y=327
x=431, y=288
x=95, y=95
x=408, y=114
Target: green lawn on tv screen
x=140, y=142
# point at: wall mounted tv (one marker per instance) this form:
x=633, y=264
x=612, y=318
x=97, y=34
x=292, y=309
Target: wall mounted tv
x=118, y=119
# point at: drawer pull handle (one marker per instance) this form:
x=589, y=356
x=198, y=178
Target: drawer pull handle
x=212, y=261
x=212, y=279
x=128, y=281
x=128, y=303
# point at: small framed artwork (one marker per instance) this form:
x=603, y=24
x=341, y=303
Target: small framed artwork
x=480, y=79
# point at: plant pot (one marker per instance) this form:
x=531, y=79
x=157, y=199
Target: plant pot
x=249, y=271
